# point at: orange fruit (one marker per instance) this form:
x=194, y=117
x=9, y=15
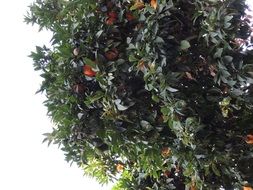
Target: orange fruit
x=167, y=173
x=166, y=151
x=129, y=16
x=249, y=139
x=112, y=14
x=120, y=167
x=112, y=54
x=153, y=3
x=247, y=188
x=78, y=88
x=110, y=20
x=193, y=187
x=87, y=71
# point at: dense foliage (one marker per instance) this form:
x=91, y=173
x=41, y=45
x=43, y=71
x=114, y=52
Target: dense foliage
x=153, y=94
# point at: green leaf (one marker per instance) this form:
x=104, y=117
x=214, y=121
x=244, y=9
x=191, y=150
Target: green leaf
x=92, y=98
x=218, y=53
x=159, y=40
x=131, y=46
x=98, y=34
x=215, y=169
x=227, y=59
x=132, y=58
x=172, y=89
x=89, y=62
x=184, y=45
x=119, y=106
x=155, y=98
x=146, y=125
x=228, y=18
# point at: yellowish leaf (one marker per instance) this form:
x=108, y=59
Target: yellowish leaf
x=141, y=65
x=138, y=5
x=189, y=76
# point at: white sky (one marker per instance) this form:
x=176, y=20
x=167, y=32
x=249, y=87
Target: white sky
x=26, y=163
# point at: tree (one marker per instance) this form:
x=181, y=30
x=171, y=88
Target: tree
x=153, y=94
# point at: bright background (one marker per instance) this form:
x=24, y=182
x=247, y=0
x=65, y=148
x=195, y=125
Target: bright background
x=26, y=163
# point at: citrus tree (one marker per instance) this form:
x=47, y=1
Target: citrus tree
x=150, y=94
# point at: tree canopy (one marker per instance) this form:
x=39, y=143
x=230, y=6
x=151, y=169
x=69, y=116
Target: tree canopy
x=152, y=94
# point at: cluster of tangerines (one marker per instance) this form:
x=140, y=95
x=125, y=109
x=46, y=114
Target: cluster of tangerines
x=111, y=19
x=113, y=54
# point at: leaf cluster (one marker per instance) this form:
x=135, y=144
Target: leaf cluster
x=153, y=94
